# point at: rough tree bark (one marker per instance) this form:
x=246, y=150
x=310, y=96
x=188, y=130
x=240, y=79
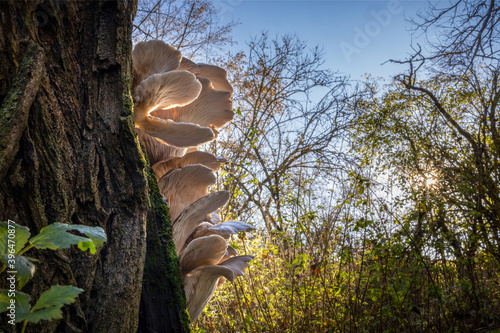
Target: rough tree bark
x=69, y=153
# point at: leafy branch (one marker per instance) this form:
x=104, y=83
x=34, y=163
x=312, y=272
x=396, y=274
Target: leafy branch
x=14, y=242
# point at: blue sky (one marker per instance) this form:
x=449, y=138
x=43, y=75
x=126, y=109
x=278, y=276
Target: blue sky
x=357, y=36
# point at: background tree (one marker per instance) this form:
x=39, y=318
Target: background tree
x=405, y=235
x=290, y=117
x=464, y=96
x=436, y=131
x=191, y=26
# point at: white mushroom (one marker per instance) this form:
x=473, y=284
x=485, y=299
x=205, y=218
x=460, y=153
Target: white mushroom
x=196, y=157
x=156, y=149
x=215, y=74
x=200, y=283
x=179, y=105
x=154, y=57
x=185, y=185
x=224, y=229
x=203, y=251
x=231, y=251
x=167, y=90
x=212, y=108
x=215, y=217
x=192, y=216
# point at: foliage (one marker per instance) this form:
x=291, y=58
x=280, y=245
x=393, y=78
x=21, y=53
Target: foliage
x=191, y=26
x=281, y=139
x=379, y=205
x=374, y=283
x=13, y=240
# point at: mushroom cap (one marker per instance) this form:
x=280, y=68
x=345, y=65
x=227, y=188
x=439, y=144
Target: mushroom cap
x=212, y=108
x=214, y=217
x=195, y=157
x=237, y=265
x=189, y=65
x=217, y=75
x=185, y=185
x=164, y=91
x=192, y=216
x=153, y=57
x=224, y=229
x=200, y=283
x=180, y=135
x=156, y=149
x=231, y=251
x=202, y=251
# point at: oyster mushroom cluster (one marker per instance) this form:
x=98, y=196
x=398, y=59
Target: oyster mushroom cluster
x=179, y=105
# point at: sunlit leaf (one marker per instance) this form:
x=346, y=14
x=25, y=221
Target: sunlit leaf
x=56, y=236
x=20, y=236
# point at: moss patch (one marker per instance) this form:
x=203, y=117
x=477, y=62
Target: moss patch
x=163, y=292
x=16, y=105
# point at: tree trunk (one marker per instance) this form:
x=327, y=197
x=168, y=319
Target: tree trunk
x=69, y=153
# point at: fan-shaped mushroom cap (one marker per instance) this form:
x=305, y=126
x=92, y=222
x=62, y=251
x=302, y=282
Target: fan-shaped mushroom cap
x=214, y=217
x=200, y=283
x=185, y=185
x=178, y=134
x=203, y=225
x=231, y=251
x=189, y=65
x=237, y=266
x=224, y=229
x=202, y=251
x=154, y=57
x=211, y=108
x=217, y=75
x=164, y=91
x=192, y=216
x=156, y=149
x=195, y=157
x=191, y=149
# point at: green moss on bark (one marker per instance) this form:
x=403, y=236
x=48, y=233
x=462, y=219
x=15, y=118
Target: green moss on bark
x=163, y=292
x=14, y=110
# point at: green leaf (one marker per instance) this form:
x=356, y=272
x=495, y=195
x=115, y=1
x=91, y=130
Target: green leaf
x=22, y=303
x=56, y=236
x=54, y=312
x=96, y=234
x=20, y=236
x=57, y=296
x=22, y=265
x=48, y=306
